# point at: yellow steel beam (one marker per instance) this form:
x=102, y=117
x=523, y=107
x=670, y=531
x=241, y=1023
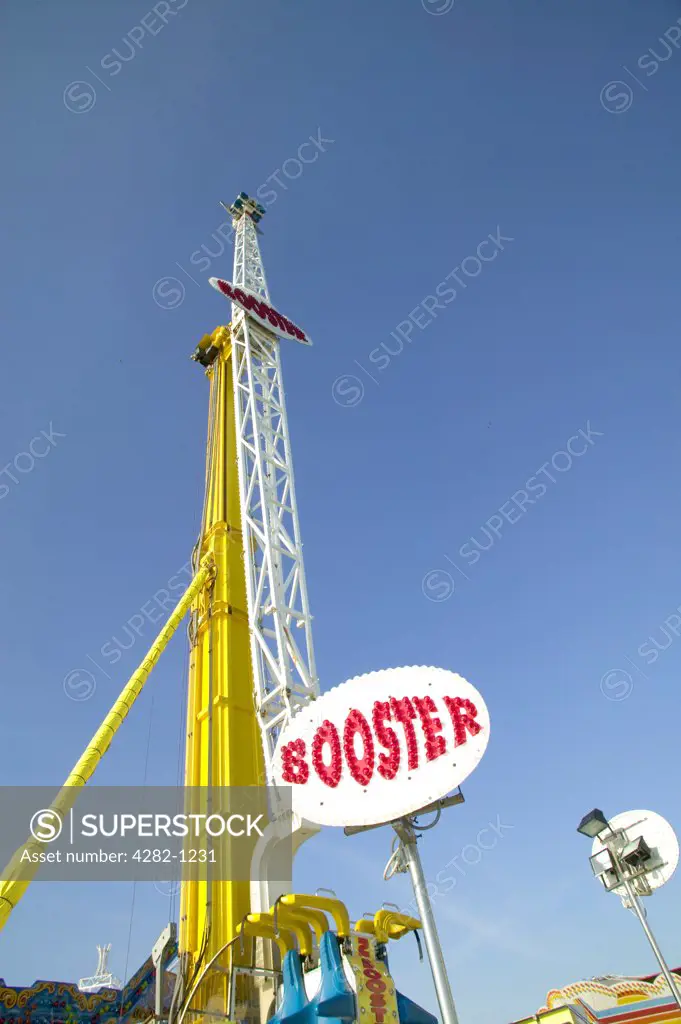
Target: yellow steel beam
x=224, y=743
x=17, y=876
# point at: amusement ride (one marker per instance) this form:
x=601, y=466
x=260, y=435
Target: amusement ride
x=251, y=948
x=389, y=748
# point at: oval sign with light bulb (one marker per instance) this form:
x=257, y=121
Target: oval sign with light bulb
x=382, y=746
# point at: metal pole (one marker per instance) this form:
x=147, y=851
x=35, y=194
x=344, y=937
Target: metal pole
x=405, y=831
x=636, y=907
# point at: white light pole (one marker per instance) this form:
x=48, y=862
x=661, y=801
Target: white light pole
x=406, y=858
x=412, y=862
x=628, y=865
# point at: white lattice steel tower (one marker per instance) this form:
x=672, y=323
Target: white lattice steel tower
x=285, y=677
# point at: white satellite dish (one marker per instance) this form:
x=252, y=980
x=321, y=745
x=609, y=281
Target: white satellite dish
x=659, y=836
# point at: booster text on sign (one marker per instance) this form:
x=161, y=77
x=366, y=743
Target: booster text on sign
x=383, y=749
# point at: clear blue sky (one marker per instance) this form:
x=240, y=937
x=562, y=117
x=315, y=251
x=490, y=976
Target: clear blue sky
x=446, y=128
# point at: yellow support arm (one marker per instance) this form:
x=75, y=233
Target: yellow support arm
x=391, y=925
x=365, y=926
x=315, y=919
x=338, y=910
x=386, y=924
x=255, y=928
x=295, y=926
x=17, y=876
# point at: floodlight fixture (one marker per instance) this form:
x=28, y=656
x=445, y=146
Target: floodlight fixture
x=632, y=866
x=636, y=853
x=593, y=823
x=604, y=868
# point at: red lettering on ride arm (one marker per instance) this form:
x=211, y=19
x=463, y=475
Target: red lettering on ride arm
x=256, y=306
x=370, y=971
x=261, y=309
x=292, y=329
x=265, y=312
x=281, y=321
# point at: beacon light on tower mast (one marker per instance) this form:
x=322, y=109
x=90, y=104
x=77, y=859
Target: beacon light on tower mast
x=244, y=204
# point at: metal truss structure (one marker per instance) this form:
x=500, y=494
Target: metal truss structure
x=102, y=978
x=282, y=653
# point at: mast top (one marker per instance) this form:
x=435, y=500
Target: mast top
x=243, y=204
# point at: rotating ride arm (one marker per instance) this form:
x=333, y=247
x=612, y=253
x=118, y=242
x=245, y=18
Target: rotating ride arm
x=315, y=919
x=294, y=925
x=388, y=924
x=302, y=901
x=17, y=876
x=391, y=925
x=253, y=926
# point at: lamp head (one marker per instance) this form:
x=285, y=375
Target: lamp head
x=636, y=853
x=593, y=823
